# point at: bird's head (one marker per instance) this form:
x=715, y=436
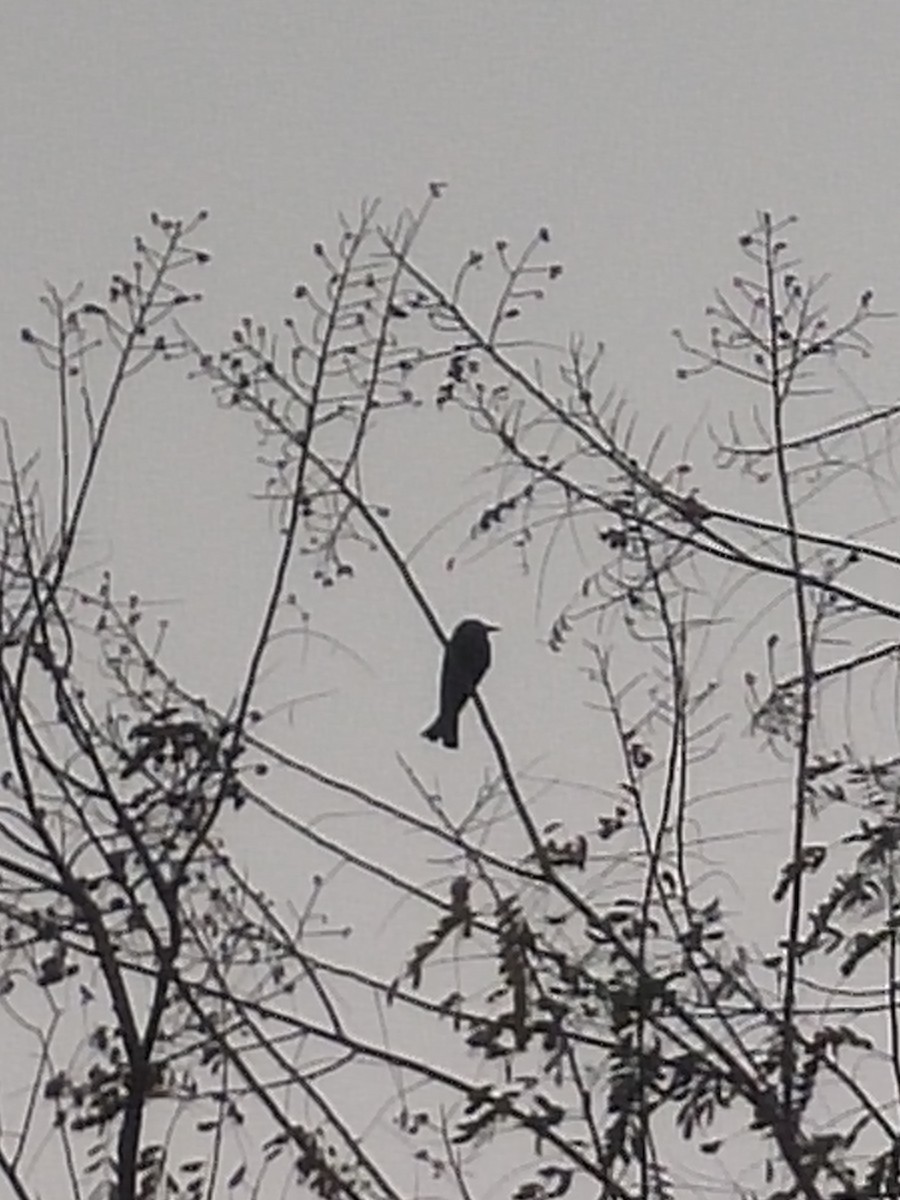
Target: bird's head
x=474, y=627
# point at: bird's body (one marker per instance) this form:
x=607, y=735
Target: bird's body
x=467, y=657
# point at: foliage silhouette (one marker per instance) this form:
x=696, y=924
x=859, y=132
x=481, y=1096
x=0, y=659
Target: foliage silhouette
x=580, y=1011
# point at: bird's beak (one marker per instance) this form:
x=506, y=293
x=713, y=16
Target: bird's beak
x=492, y=628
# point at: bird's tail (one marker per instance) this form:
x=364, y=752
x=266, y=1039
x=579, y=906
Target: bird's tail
x=444, y=728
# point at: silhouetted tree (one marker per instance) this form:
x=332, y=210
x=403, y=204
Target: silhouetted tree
x=585, y=985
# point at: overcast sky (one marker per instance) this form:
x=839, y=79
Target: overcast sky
x=644, y=135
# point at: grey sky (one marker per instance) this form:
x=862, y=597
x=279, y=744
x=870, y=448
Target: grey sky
x=645, y=135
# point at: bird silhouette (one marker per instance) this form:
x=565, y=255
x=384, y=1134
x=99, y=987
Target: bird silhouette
x=467, y=657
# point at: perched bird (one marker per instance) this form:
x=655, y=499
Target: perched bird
x=467, y=657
